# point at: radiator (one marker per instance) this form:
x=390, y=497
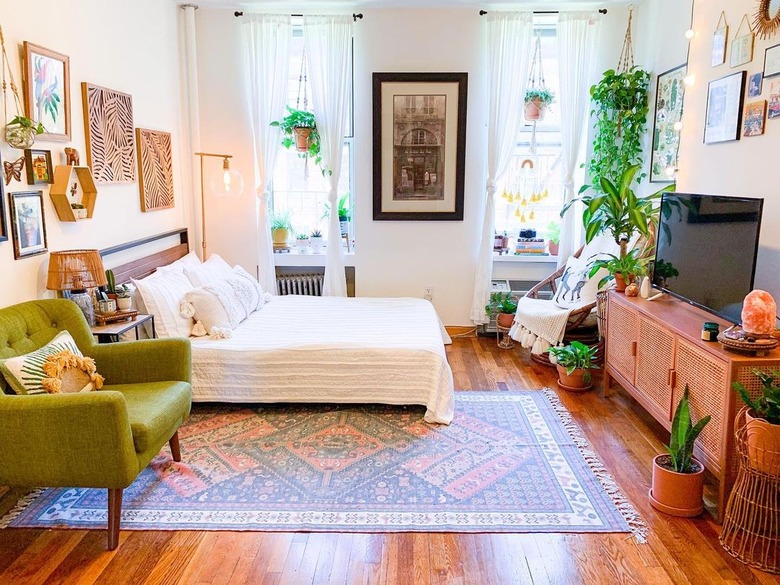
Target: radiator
x=299, y=284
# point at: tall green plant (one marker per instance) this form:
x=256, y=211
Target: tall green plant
x=683, y=435
x=620, y=108
x=766, y=406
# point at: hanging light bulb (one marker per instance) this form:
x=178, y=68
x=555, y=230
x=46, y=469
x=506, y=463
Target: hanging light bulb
x=678, y=126
x=689, y=80
x=228, y=183
x=690, y=33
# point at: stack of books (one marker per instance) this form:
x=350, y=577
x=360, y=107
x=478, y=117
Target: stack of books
x=530, y=247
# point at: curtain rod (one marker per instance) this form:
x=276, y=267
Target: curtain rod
x=601, y=11
x=355, y=17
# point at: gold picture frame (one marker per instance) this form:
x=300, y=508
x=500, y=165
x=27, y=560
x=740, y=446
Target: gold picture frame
x=47, y=90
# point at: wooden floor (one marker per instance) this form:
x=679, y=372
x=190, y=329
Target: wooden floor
x=678, y=551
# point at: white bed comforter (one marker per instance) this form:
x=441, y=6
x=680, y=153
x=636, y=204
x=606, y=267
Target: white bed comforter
x=330, y=349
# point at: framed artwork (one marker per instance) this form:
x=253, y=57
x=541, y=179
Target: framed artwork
x=39, y=168
x=742, y=45
x=155, y=169
x=108, y=124
x=419, y=145
x=754, y=84
x=772, y=61
x=3, y=225
x=47, y=91
x=669, y=95
x=773, y=108
x=719, y=39
x=754, y=118
x=724, y=108
x=28, y=224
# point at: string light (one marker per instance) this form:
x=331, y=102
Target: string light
x=670, y=171
x=678, y=126
x=689, y=80
x=690, y=33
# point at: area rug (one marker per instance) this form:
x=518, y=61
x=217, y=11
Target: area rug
x=509, y=462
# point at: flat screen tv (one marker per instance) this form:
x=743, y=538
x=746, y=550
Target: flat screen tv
x=706, y=250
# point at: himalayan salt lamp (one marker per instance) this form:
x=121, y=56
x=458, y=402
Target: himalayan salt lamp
x=758, y=313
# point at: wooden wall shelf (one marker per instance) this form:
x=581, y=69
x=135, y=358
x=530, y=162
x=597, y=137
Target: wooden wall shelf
x=63, y=177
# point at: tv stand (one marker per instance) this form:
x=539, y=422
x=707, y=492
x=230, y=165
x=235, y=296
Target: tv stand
x=654, y=349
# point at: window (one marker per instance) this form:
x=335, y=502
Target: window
x=531, y=195
x=298, y=184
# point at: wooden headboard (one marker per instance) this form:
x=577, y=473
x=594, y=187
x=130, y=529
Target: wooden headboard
x=148, y=264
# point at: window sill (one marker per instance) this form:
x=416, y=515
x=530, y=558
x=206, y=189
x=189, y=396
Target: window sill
x=296, y=258
x=529, y=259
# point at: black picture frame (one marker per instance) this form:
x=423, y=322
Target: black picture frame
x=31, y=155
x=665, y=138
x=3, y=224
x=725, y=97
x=772, y=61
x=417, y=177
x=29, y=240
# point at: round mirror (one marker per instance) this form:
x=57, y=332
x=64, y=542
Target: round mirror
x=767, y=19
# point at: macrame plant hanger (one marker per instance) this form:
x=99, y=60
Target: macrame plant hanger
x=17, y=136
x=626, y=61
x=302, y=81
x=536, y=81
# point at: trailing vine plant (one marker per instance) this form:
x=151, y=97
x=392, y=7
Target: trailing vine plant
x=620, y=108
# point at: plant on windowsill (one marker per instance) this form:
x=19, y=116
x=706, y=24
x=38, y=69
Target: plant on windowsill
x=344, y=210
x=503, y=307
x=299, y=127
x=315, y=239
x=678, y=478
x=763, y=423
x=536, y=101
x=281, y=225
x=573, y=362
x=553, y=237
x=302, y=241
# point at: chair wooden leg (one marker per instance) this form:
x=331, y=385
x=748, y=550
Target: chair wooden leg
x=114, y=517
x=174, y=443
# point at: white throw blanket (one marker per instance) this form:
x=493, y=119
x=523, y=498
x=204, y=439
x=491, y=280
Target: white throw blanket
x=539, y=324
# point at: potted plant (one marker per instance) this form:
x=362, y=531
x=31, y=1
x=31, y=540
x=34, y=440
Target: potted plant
x=536, y=101
x=678, y=478
x=622, y=270
x=763, y=423
x=79, y=210
x=302, y=241
x=299, y=127
x=281, y=226
x=553, y=237
x=315, y=239
x=123, y=300
x=344, y=209
x=573, y=362
x=503, y=307
x=21, y=132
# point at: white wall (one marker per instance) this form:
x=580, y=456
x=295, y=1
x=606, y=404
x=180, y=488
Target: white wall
x=127, y=46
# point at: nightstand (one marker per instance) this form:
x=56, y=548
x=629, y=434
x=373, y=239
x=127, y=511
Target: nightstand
x=111, y=332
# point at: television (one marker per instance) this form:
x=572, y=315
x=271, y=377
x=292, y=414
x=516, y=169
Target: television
x=706, y=250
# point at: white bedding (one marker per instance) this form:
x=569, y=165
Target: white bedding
x=330, y=349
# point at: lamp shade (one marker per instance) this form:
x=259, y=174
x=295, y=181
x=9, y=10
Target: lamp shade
x=75, y=270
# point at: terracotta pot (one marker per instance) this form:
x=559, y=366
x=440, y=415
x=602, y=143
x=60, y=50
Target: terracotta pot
x=620, y=282
x=279, y=237
x=763, y=442
x=302, y=138
x=678, y=494
x=552, y=247
x=505, y=320
x=574, y=382
x=535, y=110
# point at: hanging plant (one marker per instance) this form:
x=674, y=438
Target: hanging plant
x=21, y=131
x=536, y=101
x=299, y=128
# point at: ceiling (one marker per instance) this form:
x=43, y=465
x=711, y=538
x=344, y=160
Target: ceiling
x=299, y=5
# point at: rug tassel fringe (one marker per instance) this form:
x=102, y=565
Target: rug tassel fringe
x=21, y=505
x=626, y=509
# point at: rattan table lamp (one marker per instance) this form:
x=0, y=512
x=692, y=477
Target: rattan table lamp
x=74, y=272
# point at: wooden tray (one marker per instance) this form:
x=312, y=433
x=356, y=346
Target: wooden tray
x=104, y=318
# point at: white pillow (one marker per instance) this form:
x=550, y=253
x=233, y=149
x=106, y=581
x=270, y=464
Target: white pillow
x=190, y=260
x=575, y=288
x=262, y=296
x=219, y=304
x=212, y=270
x=161, y=294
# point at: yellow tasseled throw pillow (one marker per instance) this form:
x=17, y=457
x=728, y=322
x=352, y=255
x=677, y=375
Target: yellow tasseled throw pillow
x=66, y=371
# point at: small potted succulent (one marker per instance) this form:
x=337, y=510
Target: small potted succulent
x=574, y=362
x=315, y=239
x=281, y=225
x=123, y=300
x=763, y=423
x=299, y=128
x=21, y=132
x=302, y=241
x=79, y=210
x=553, y=237
x=536, y=101
x=503, y=306
x=623, y=270
x=678, y=478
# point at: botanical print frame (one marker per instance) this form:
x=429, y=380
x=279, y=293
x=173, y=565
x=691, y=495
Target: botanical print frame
x=724, y=108
x=419, y=145
x=3, y=225
x=47, y=90
x=741, y=50
x=772, y=61
x=108, y=125
x=39, y=168
x=754, y=118
x=155, y=169
x=669, y=95
x=28, y=223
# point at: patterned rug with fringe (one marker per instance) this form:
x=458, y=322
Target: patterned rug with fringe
x=509, y=462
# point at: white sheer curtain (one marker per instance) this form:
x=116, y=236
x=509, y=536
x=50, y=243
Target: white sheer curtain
x=327, y=40
x=266, y=39
x=509, y=42
x=577, y=39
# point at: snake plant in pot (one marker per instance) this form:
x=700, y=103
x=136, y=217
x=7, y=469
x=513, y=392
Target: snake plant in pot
x=574, y=361
x=763, y=423
x=678, y=478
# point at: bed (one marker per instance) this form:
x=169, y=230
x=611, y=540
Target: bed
x=322, y=349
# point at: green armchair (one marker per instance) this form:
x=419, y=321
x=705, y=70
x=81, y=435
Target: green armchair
x=97, y=439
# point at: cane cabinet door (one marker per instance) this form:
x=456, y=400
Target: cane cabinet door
x=621, y=339
x=655, y=367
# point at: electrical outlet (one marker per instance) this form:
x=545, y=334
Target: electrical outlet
x=428, y=293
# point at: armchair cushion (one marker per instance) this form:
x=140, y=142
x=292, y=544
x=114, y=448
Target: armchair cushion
x=25, y=373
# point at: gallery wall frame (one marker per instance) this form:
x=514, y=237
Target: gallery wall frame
x=3, y=224
x=419, y=145
x=28, y=223
x=725, y=97
x=669, y=96
x=47, y=90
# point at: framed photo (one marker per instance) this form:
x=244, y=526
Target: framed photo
x=754, y=118
x=719, y=38
x=39, y=168
x=741, y=50
x=772, y=61
x=724, y=108
x=773, y=109
x=754, y=84
x=419, y=145
x=47, y=91
x=28, y=224
x=669, y=95
x=3, y=225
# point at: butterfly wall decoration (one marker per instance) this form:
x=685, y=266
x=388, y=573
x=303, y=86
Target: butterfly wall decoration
x=13, y=170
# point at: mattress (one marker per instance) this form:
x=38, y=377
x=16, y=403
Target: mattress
x=330, y=349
